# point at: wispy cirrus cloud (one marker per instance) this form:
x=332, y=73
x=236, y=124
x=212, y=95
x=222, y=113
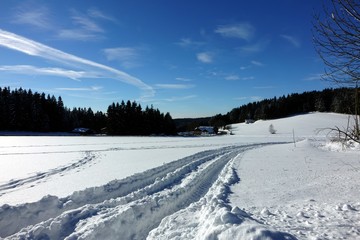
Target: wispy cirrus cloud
x=235, y=77
x=85, y=25
x=96, y=13
x=256, y=47
x=264, y=87
x=252, y=64
x=89, y=89
x=85, y=22
x=34, y=16
x=184, y=98
x=243, y=31
x=232, y=77
x=291, y=39
x=36, y=49
x=188, y=42
x=315, y=77
x=251, y=98
x=257, y=63
x=60, y=72
x=128, y=56
x=183, y=79
x=174, y=86
x=76, y=34
x=205, y=57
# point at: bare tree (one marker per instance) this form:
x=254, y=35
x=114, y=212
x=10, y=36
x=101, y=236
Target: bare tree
x=336, y=36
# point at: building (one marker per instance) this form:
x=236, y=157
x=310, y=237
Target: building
x=205, y=130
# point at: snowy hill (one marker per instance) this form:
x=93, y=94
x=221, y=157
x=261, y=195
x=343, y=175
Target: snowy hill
x=303, y=125
x=251, y=185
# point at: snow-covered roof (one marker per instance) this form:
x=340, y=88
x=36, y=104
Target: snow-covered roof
x=208, y=129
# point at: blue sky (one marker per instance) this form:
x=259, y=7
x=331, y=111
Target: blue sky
x=191, y=58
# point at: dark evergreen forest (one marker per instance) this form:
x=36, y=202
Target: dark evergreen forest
x=23, y=110
x=339, y=100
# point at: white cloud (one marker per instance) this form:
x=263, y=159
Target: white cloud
x=174, y=86
x=126, y=55
x=256, y=98
x=205, y=57
x=121, y=53
x=251, y=98
x=248, y=78
x=254, y=47
x=232, y=77
x=32, y=48
x=236, y=77
x=257, y=63
x=240, y=98
x=84, y=22
x=187, y=42
x=243, y=31
x=35, y=16
x=96, y=13
x=264, y=87
x=85, y=27
x=184, y=98
x=28, y=70
x=76, y=34
x=294, y=41
x=93, y=88
x=315, y=77
x=183, y=79
x=244, y=67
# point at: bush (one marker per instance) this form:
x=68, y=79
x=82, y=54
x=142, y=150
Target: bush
x=272, y=129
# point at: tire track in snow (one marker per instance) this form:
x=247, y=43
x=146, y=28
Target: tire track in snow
x=130, y=207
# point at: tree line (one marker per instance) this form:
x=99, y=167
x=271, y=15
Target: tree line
x=23, y=110
x=130, y=119
x=340, y=100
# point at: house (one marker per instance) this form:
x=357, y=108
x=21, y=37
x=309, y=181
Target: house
x=248, y=121
x=83, y=131
x=205, y=130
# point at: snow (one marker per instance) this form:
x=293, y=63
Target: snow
x=306, y=190
x=250, y=185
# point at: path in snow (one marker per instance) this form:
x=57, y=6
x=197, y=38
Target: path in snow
x=134, y=206
x=16, y=184
x=78, y=163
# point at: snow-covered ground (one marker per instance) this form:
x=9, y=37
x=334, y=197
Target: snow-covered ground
x=250, y=185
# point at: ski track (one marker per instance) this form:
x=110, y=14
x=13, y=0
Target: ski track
x=131, y=207
x=104, y=150
x=16, y=184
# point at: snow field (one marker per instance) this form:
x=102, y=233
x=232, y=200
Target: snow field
x=40, y=168
x=243, y=186
x=135, y=214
